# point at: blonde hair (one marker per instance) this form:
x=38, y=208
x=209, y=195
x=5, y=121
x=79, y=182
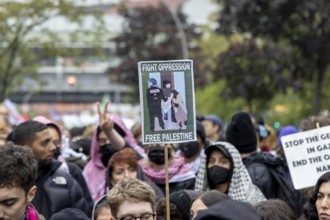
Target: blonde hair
x=130, y=190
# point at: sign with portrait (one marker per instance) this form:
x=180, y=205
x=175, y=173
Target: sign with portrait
x=167, y=101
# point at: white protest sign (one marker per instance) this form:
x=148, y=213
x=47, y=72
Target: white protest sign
x=308, y=155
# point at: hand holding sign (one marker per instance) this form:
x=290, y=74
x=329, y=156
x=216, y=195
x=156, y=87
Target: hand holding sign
x=106, y=124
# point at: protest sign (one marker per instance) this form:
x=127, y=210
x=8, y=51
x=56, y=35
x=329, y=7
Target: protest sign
x=308, y=155
x=167, y=101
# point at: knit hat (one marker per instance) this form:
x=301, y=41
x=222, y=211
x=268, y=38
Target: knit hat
x=213, y=197
x=229, y=210
x=286, y=131
x=241, y=133
x=183, y=199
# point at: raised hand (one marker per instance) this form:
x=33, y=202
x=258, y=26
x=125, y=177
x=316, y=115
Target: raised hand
x=106, y=124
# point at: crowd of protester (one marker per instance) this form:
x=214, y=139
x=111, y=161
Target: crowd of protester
x=104, y=172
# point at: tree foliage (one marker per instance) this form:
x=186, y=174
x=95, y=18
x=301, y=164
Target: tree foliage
x=255, y=71
x=25, y=38
x=301, y=24
x=149, y=33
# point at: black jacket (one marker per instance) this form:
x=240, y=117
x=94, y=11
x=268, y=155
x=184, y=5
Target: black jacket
x=229, y=210
x=57, y=190
x=76, y=173
x=260, y=176
x=177, y=186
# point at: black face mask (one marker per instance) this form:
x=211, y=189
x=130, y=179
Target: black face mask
x=157, y=155
x=219, y=175
x=57, y=153
x=107, y=150
x=190, y=149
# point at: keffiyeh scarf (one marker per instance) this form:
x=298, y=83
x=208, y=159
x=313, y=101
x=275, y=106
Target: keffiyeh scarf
x=178, y=172
x=241, y=187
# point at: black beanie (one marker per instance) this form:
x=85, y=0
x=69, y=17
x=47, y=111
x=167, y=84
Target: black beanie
x=183, y=199
x=241, y=133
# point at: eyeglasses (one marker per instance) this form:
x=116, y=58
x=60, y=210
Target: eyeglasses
x=146, y=216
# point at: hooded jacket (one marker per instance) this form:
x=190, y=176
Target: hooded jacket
x=57, y=190
x=67, y=166
x=240, y=187
x=94, y=172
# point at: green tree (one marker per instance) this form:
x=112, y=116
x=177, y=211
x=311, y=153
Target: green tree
x=255, y=71
x=25, y=38
x=149, y=33
x=301, y=24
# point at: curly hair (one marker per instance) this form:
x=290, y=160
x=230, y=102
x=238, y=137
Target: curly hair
x=310, y=210
x=18, y=167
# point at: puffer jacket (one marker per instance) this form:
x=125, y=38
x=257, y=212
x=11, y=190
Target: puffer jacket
x=57, y=190
x=260, y=175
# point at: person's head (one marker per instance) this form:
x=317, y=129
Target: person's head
x=219, y=166
x=175, y=213
x=192, y=149
x=274, y=209
x=205, y=201
x=241, y=133
x=82, y=145
x=212, y=125
x=102, y=137
x=156, y=153
x=287, y=130
x=101, y=209
x=35, y=135
x=18, y=170
x=166, y=84
x=180, y=204
x=131, y=198
x=55, y=132
x=76, y=132
x=122, y=164
x=106, y=148
x=230, y=210
x=319, y=202
x=4, y=131
x=313, y=122
x=152, y=82
x=4, y=114
x=70, y=213
x=175, y=93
